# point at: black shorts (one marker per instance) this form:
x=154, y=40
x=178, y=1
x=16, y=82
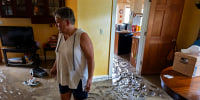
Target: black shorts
x=77, y=93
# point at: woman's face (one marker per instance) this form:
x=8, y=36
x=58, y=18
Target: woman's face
x=61, y=24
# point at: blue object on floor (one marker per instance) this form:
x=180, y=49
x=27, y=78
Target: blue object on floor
x=38, y=72
x=197, y=42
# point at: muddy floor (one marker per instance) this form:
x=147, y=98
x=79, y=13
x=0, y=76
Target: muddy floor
x=125, y=85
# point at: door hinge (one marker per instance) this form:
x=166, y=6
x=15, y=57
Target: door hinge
x=141, y=62
x=145, y=33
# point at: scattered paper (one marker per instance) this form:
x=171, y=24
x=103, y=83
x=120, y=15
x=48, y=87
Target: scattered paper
x=31, y=82
x=192, y=49
x=168, y=76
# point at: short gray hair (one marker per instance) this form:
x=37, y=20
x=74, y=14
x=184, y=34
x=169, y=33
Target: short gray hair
x=65, y=13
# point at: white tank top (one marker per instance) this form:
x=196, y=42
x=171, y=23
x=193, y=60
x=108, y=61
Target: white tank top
x=71, y=61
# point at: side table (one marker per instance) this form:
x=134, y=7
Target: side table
x=47, y=49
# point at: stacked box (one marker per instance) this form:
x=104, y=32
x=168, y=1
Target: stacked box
x=187, y=64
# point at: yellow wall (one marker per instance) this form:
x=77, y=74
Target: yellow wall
x=91, y=15
x=94, y=15
x=190, y=25
x=73, y=5
x=41, y=31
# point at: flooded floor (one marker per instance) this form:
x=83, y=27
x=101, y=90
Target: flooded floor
x=125, y=85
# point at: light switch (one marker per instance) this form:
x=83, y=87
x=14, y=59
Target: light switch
x=101, y=31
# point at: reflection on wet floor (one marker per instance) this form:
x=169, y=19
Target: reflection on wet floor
x=124, y=85
x=11, y=87
x=6, y=91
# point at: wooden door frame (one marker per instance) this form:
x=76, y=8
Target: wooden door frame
x=141, y=40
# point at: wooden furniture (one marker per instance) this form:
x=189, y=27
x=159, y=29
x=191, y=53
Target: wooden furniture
x=47, y=49
x=40, y=11
x=0, y=56
x=162, y=31
x=121, y=43
x=33, y=51
x=180, y=87
x=134, y=50
x=116, y=43
x=15, y=8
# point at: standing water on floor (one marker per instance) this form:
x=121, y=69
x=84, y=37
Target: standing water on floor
x=126, y=85
x=11, y=87
x=7, y=92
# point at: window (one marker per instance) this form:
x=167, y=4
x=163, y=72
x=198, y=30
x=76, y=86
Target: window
x=127, y=15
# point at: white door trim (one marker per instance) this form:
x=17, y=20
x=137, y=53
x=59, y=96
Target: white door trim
x=112, y=37
x=145, y=21
x=141, y=40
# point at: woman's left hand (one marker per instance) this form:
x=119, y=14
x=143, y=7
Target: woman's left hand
x=89, y=83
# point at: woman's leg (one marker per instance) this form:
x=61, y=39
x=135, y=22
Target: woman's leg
x=66, y=96
x=78, y=93
x=65, y=92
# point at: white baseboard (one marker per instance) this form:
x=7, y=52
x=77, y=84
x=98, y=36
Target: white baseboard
x=100, y=78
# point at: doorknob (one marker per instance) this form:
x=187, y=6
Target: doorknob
x=174, y=41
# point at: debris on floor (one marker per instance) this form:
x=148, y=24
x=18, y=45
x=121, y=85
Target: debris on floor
x=31, y=82
x=126, y=85
x=38, y=72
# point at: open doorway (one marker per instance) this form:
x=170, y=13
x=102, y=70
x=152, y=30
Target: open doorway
x=129, y=24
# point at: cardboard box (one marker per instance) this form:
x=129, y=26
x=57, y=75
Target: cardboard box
x=187, y=64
